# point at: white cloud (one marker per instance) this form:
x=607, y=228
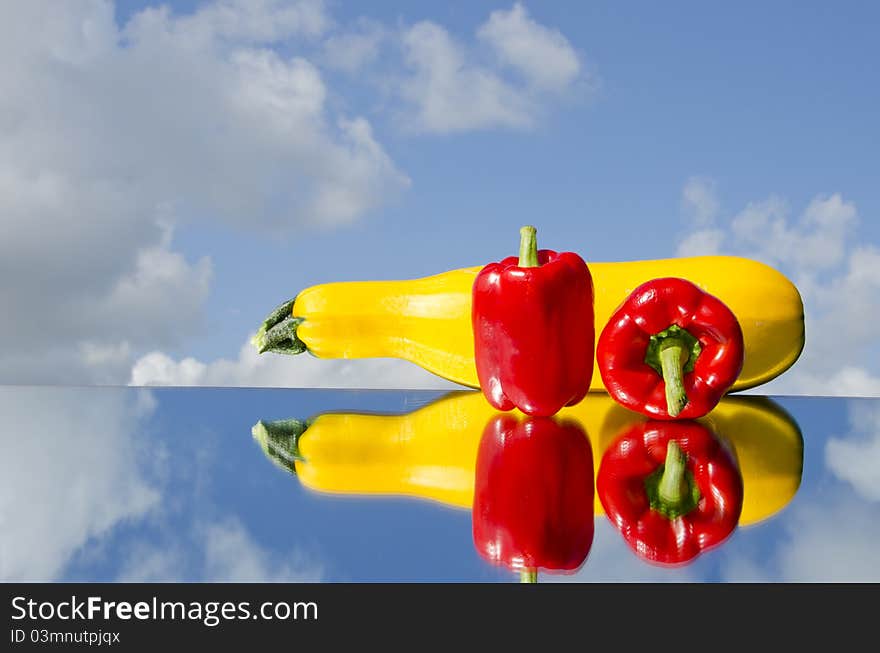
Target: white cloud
x=109, y=134
x=450, y=89
x=837, y=276
x=543, y=55
x=702, y=242
x=447, y=94
x=831, y=542
x=849, y=381
x=855, y=457
x=356, y=48
x=829, y=537
x=220, y=551
x=72, y=470
x=254, y=20
x=249, y=114
x=233, y=556
x=815, y=242
x=163, y=284
x=149, y=564
x=700, y=201
x=76, y=466
x=254, y=370
x=826, y=540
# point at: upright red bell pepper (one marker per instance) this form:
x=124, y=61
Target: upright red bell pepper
x=671, y=489
x=671, y=350
x=533, y=495
x=534, y=335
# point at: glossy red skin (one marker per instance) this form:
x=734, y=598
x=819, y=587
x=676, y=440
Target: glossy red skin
x=648, y=310
x=533, y=494
x=654, y=537
x=534, y=333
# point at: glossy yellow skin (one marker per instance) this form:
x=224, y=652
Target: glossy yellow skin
x=428, y=321
x=431, y=453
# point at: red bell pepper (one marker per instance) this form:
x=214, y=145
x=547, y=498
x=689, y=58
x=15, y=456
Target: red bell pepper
x=533, y=495
x=671, y=489
x=670, y=350
x=533, y=329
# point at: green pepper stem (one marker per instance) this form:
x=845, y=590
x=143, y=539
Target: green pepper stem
x=673, y=356
x=528, y=247
x=528, y=575
x=673, y=486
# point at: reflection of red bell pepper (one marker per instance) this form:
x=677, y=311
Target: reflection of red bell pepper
x=670, y=350
x=671, y=489
x=533, y=329
x=533, y=495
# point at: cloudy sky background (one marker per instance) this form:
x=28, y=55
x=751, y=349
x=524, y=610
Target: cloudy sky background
x=168, y=173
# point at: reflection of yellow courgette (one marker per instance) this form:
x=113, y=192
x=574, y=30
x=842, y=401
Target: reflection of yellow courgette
x=769, y=448
x=428, y=321
x=431, y=452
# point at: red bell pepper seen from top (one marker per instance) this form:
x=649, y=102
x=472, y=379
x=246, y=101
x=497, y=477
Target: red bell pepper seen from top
x=672, y=490
x=534, y=335
x=533, y=495
x=671, y=350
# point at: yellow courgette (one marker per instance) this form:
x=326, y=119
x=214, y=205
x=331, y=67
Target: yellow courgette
x=428, y=321
x=431, y=452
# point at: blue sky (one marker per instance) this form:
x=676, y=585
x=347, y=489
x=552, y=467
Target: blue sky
x=213, y=158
